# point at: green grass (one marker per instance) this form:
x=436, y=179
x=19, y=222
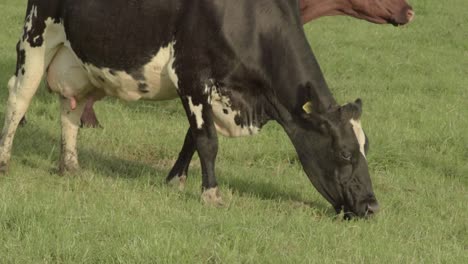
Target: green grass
x=414, y=83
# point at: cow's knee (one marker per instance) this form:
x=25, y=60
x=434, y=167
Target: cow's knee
x=11, y=83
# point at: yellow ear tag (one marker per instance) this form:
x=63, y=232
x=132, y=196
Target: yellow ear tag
x=308, y=107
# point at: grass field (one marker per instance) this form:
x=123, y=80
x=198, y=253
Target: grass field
x=414, y=83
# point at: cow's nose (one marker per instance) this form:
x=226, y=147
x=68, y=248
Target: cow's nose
x=410, y=15
x=372, y=208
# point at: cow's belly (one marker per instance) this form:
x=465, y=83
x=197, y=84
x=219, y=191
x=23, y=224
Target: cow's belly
x=69, y=76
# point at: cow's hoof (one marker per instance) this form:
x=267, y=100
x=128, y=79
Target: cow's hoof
x=3, y=167
x=179, y=182
x=212, y=197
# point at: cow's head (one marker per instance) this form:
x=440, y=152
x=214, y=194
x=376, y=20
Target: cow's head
x=395, y=12
x=332, y=148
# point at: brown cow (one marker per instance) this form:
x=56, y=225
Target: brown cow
x=395, y=12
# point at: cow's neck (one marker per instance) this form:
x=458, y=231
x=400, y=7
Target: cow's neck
x=298, y=79
x=313, y=9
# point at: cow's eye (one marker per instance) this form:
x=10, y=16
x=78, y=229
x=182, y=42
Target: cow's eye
x=346, y=155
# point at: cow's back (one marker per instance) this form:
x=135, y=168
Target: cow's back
x=119, y=34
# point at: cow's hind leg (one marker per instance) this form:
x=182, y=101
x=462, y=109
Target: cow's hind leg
x=21, y=91
x=70, y=119
x=22, y=87
x=179, y=171
x=35, y=50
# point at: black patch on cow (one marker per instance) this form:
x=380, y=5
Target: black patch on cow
x=20, y=59
x=143, y=87
x=138, y=75
x=101, y=79
x=23, y=71
x=238, y=120
x=124, y=37
x=225, y=111
x=45, y=9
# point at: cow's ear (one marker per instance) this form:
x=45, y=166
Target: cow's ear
x=351, y=110
x=316, y=121
x=358, y=102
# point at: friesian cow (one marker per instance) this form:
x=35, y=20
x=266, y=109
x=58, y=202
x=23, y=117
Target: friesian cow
x=395, y=12
x=235, y=65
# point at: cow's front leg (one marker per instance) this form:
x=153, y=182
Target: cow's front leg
x=179, y=171
x=205, y=137
x=70, y=113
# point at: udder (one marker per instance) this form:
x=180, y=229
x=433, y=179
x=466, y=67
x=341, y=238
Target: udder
x=67, y=77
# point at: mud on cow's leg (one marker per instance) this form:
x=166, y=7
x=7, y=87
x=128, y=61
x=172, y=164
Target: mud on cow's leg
x=205, y=137
x=70, y=123
x=179, y=171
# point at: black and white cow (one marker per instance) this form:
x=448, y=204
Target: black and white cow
x=235, y=65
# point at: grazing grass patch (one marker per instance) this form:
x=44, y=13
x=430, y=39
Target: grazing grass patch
x=414, y=83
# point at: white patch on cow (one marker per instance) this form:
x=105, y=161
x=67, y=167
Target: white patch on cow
x=170, y=67
x=359, y=133
x=29, y=18
x=197, y=111
x=34, y=10
x=225, y=116
x=156, y=73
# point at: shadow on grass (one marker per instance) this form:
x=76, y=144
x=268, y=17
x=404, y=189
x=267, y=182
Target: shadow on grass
x=272, y=192
x=35, y=142
x=32, y=142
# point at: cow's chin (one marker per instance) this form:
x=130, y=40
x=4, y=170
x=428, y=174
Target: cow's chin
x=396, y=23
x=383, y=20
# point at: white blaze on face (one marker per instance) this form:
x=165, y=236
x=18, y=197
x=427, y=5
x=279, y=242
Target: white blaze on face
x=361, y=137
x=197, y=112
